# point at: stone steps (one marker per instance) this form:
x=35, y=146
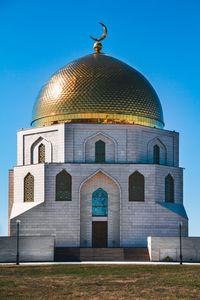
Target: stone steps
x=136, y=254
x=100, y=254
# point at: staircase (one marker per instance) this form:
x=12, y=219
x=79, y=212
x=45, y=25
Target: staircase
x=66, y=254
x=136, y=254
x=62, y=254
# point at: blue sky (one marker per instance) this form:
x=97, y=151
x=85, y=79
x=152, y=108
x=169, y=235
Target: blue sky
x=161, y=39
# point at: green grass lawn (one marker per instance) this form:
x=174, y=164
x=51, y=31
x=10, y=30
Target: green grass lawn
x=100, y=282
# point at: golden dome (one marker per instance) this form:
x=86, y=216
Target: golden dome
x=98, y=89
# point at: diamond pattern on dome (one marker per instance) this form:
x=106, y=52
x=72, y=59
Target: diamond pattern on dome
x=98, y=86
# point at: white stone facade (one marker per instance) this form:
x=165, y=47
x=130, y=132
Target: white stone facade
x=168, y=248
x=71, y=147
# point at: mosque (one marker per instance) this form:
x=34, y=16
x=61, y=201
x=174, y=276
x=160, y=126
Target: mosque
x=97, y=169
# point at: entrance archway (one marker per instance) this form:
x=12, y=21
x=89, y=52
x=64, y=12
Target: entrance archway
x=94, y=224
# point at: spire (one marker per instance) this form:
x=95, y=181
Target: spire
x=98, y=46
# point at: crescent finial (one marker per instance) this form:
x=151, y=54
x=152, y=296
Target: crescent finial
x=98, y=45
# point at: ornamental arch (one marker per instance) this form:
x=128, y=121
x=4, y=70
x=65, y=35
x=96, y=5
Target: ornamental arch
x=111, y=189
x=110, y=147
x=36, y=149
x=154, y=144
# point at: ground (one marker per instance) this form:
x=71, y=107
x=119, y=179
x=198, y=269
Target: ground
x=100, y=282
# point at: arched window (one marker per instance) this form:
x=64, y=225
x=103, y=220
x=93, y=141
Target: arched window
x=41, y=154
x=169, y=188
x=156, y=154
x=29, y=188
x=136, y=187
x=100, y=152
x=63, y=186
x=100, y=203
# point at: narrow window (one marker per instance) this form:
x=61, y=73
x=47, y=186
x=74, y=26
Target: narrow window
x=29, y=188
x=169, y=189
x=156, y=154
x=99, y=203
x=136, y=187
x=63, y=186
x=41, y=154
x=100, y=152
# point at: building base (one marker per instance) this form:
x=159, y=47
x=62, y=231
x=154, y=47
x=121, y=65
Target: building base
x=62, y=254
x=42, y=248
x=170, y=248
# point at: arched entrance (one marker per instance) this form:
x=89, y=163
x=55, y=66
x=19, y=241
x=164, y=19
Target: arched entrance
x=100, y=212
x=99, y=209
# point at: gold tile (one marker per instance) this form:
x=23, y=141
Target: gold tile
x=96, y=87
